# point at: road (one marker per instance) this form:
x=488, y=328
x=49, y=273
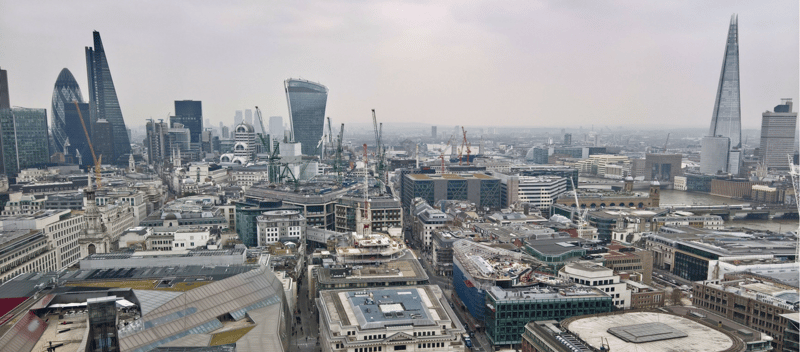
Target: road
x=479, y=340
x=305, y=330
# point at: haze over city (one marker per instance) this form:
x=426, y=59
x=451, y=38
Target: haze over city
x=528, y=63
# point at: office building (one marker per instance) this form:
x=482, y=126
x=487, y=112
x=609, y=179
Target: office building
x=306, y=102
x=248, y=116
x=189, y=113
x=65, y=93
x=538, y=191
x=157, y=142
x=750, y=300
x=481, y=189
x=433, y=132
x=426, y=219
x=599, y=277
x=414, y=318
x=238, y=117
x=662, y=167
x=24, y=138
x=276, y=127
x=401, y=272
x=280, y=226
x=777, y=136
x=103, y=140
x=721, y=148
x=78, y=148
x=508, y=310
x=103, y=101
x=4, y=98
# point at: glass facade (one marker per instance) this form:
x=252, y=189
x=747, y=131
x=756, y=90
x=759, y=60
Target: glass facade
x=471, y=296
x=24, y=138
x=78, y=147
x=726, y=121
x=306, y=102
x=506, y=319
x=65, y=92
x=189, y=113
x=103, y=99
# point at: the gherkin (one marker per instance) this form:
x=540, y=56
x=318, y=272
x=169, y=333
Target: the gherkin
x=65, y=92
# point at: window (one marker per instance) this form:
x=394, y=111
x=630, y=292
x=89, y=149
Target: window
x=400, y=348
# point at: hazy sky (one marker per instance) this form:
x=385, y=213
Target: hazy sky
x=505, y=63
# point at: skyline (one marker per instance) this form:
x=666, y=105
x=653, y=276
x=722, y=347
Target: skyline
x=536, y=64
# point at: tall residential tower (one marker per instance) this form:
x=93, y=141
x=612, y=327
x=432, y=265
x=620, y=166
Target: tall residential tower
x=306, y=101
x=103, y=99
x=722, y=147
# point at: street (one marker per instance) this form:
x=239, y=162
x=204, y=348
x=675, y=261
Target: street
x=305, y=329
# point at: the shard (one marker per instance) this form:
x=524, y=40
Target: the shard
x=103, y=100
x=726, y=121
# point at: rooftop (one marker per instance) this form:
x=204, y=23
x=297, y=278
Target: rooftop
x=397, y=270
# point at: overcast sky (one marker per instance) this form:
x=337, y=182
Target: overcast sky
x=557, y=63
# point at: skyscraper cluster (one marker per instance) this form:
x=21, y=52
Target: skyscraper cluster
x=24, y=140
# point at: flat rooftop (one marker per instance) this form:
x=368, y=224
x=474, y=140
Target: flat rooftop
x=681, y=334
x=545, y=293
x=397, y=270
x=166, y=254
x=378, y=309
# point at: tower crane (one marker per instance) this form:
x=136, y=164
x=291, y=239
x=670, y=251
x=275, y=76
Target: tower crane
x=441, y=155
x=464, y=145
x=264, y=141
x=96, y=160
x=380, y=153
x=665, y=143
x=330, y=139
x=337, y=160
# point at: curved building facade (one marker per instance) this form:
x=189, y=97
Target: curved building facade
x=65, y=92
x=306, y=102
x=103, y=98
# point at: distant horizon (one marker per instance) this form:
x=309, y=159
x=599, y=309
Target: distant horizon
x=541, y=62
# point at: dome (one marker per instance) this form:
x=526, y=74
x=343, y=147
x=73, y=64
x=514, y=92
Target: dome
x=171, y=216
x=629, y=178
x=244, y=128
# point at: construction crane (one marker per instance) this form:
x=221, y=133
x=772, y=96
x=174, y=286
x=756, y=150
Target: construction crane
x=330, y=140
x=380, y=150
x=794, y=171
x=264, y=141
x=464, y=145
x=337, y=160
x=96, y=160
x=441, y=155
x=665, y=143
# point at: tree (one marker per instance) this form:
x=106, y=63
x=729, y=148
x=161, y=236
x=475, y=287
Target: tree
x=675, y=297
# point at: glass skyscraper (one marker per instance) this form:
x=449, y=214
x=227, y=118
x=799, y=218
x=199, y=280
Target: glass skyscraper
x=189, y=113
x=103, y=99
x=24, y=138
x=78, y=149
x=65, y=92
x=726, y=121
x=306, y=112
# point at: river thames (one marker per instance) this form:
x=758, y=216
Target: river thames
x=673, y=197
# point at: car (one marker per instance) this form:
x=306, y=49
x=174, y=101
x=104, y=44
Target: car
x=467, y=340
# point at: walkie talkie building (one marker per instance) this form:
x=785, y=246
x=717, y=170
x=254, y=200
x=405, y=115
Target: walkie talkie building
x=306, y=102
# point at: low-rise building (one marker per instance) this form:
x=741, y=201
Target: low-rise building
x=508, y=310
x=401, y=272
x=599, y=277
x=753, y=301
x=280, y=226
x=414, y=318
x=426, y=220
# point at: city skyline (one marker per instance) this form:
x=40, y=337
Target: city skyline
x=519, y=66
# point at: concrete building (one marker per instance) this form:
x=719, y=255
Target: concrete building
x=401, y=272
x=481, y=189
x=538, y=191
x=647, y=330
x=414, y=318
x=61, y=228
x=25, y=251
x=662, y=167
x=778, y=129
x=174, y=258
x=387, y=212
x=280, y=226
x=426, y=220
x=600, y=277
x=750, y=300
